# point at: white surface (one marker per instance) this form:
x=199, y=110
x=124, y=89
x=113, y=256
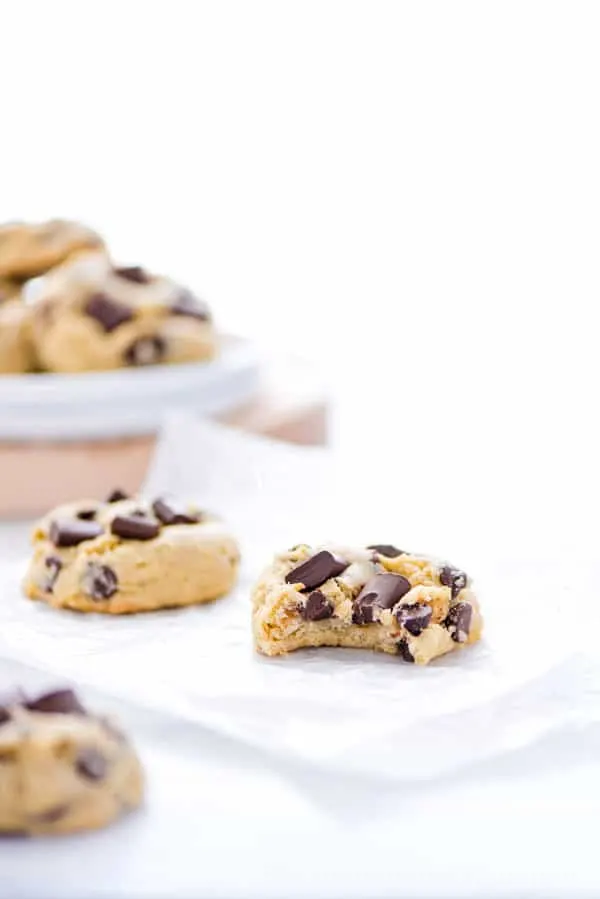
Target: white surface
x=127, y=402
x=330, y=773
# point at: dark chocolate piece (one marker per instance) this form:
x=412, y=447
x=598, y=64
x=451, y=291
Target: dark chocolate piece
x=109, y=313
x=453, y=578
x=73, y=531
x=386, y=549
x=57, y=702
x=117, y=495
x=133, y=527
x=316, y=570
x=382, y=591
x=414, y=617
x=169, y=513
x=458, y=621
x=100, y=581
x=134, y=273
x=404, y=650
x=317, y=607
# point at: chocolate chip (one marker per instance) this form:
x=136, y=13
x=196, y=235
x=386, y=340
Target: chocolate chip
x=145, y=351
x=99, y=581
x=58, y=702
x=53, y=565
x=91, y=764
x=168, y=513
x=458, y=621
x=404, y=650
x=132, y=527
x=133, y=273
x=186, y=303
x=50, y=816
x=316, y=570
x=453, y=578
x=87, y=514
x=386, y=549
x=382, y=591
x=4, y=715
x=108, y=313
x=73, y=531
x=317, y=607
x=414, y=617
x=116, y=496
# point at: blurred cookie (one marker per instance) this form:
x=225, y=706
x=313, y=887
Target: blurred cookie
x=62, y=769
x=28, y=250
x=128, y=555
x=89, y=315
x=16, y=347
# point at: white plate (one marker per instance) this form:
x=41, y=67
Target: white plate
x=127, y=402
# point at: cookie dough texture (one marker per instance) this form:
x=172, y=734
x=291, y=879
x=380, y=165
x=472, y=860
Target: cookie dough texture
x=28, y=250
x=183, y=564
x=386, y=600
x=9, y=290
x=62, y=769
x=90, y=315
x=16, y=347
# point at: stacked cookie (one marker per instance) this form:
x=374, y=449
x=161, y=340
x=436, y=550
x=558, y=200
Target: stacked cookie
x=87, y=314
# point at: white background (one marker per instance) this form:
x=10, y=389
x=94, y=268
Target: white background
x=406, y=193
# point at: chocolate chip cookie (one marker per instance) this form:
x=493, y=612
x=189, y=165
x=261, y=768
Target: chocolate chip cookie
x=28, y=250
x=61, y=768
x=128, y=555
x=91, y=315
x=377, y=597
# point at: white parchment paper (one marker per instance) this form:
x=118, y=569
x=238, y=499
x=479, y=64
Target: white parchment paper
x=348, y=711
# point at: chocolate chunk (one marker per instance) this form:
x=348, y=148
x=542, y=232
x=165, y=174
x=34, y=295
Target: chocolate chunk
x=133, y=273
x=50, y=816
x=168, y=513
x=386, y=549
x=404, y=650
x=414, y=617
x=58, y=702
x=316, y=570
x=117, y=495
x=99, y=581
x=4, y=715
x=453, y=578
x=108, y=313
x=317, y=607
x=458, y=621
x=53, y=567
x=91, y=764
x=382, y=591
x=132, y=527
x=87, y=514
x=145, y=351
x=73, y=531
x=186, y=303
